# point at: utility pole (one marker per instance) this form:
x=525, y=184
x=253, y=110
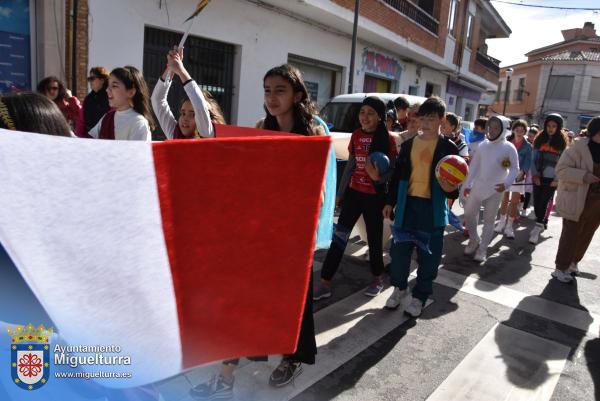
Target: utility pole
x=354, y=38
x=541, y=116
x=509, y=73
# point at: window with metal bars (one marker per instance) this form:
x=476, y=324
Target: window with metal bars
x=422, y=13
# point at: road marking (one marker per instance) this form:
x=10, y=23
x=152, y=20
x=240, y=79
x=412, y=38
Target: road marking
x=530, y=303
x=554, y=311
x=507, y=364
x=344, y=329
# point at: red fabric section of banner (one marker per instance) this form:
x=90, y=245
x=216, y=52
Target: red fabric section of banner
x=231, y=131
x=239, y=217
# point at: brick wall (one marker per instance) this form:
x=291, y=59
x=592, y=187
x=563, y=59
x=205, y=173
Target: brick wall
x=81, y=47
x=386, y=16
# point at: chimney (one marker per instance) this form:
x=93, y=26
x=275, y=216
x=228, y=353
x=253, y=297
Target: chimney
x=589, y=30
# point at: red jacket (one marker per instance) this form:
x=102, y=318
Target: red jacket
x=71, y=109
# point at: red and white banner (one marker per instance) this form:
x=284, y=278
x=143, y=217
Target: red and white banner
x=181, y=252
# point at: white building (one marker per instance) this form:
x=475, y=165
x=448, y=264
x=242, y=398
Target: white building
x=419, y=47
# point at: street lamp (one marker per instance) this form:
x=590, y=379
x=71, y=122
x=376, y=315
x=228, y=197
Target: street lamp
x=509, y=73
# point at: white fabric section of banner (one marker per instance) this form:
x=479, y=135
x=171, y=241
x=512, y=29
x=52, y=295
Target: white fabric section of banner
x=81, y=221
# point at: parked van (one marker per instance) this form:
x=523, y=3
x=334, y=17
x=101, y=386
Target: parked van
x=341, y=114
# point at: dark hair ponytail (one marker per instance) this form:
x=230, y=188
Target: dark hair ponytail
x=304, y=109
x=132, y=79
x=381, y=139
x=32, y=112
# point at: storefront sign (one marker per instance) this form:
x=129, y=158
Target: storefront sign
x=381, y=64
x=454, y=88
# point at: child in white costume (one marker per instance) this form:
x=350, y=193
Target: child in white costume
x=492, y=170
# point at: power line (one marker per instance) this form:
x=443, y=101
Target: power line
x=551, y=7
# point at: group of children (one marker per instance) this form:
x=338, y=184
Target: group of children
x=503, y=161
x=510, y=164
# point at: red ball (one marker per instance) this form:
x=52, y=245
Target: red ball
x=452, y=168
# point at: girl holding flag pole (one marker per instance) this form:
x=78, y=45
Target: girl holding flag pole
x=196, y=115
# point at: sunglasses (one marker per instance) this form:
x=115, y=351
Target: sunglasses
x=90, y=79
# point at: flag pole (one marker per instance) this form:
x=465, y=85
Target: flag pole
x=191, y=18
x=169, y=76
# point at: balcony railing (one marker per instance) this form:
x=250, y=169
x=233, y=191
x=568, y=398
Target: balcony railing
x=416, y=14
x=489, y=62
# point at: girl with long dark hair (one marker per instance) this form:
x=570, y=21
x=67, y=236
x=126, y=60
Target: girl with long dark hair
x=548, y=146
x=130, y=117
x=362, y=192
x=288, y=108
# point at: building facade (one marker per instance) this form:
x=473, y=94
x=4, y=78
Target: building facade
x=420, y=47
x=561, y=78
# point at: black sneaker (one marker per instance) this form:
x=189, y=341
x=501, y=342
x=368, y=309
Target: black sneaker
x=214, y=389
x=286, y=372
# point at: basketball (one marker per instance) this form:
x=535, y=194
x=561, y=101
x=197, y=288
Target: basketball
x=452, y=168
x=381, y=161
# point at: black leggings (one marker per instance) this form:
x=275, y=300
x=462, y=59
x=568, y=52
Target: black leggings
x=354, y=205
x=541, y=196
x=307, y=344
x=526, y=200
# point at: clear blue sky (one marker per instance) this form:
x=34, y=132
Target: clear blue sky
x=533, y=28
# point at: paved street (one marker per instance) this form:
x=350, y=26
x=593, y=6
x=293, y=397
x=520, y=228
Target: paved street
x=502, y=331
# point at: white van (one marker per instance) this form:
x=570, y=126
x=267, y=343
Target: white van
x=341, y=114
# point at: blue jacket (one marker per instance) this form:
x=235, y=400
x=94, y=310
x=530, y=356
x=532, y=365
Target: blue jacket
x=525, y=156
x=398, y=192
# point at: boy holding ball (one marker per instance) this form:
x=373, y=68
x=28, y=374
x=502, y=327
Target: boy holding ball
x=421, y=208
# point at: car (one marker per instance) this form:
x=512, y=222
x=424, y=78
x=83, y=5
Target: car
x=341, y=115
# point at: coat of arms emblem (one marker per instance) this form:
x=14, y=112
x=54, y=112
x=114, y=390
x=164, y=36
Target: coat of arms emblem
x=30, y=356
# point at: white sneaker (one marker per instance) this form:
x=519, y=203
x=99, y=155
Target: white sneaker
x=509, y=231
x=523, y=212
x=563, y=277
x=396, y=299
x=531, y=215
x=573, y=269
x=415, y=308
x=534, y=236
x=501, y=224
x=481, y=254
x=471, y=247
